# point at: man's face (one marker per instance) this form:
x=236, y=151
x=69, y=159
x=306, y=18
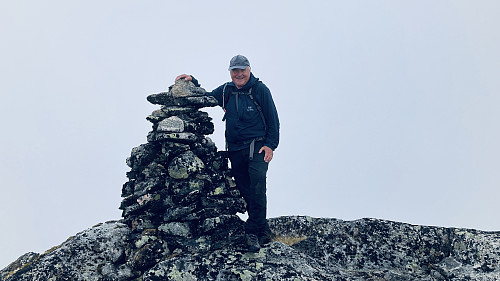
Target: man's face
x=240, y=76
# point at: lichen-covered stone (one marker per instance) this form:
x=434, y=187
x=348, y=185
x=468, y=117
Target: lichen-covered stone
x=396, y=249
x=176, y=229
x=22, y=262
x=142, y=155
x=184, y=88
x=97, y=253
x=367, y=249
x=167, y=111
x=183, y=187
x=183, y=137
x=149, y=254
x=184, y=213
x=171, y=124
x=169, y=100
x=336, y=250
x=185, y=165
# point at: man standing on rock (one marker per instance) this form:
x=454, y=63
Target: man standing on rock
x=252, y=134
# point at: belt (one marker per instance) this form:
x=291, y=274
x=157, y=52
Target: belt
x=252, y=147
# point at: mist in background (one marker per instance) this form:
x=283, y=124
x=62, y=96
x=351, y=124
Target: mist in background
x=388, y=109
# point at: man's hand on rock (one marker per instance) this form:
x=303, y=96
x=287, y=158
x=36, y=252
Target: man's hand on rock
x=268, y=153
x=184, y=76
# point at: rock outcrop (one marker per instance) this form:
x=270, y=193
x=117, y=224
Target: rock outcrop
x=179, y=223
x=306, y=249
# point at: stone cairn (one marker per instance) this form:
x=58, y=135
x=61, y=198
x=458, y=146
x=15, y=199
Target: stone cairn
x=179, y=197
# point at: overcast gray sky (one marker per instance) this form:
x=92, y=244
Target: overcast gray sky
x=388, y=109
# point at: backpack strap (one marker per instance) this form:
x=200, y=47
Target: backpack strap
x=259, y=108
x=225, y=98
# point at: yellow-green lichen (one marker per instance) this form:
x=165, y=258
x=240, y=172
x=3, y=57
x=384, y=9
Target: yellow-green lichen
x=259, y=265
x=177, y=275
x=246, y=275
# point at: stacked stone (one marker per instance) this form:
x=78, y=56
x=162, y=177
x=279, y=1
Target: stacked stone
x=179, y=196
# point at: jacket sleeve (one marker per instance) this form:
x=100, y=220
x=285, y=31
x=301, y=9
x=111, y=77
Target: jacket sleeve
x=217, y=93
x=195, y=81
x=271, y=116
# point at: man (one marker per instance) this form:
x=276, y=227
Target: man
x=252, y=134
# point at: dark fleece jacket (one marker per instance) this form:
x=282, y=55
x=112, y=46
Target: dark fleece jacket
x=244, y=122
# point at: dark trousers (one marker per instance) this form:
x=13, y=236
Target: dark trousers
x=250, y=177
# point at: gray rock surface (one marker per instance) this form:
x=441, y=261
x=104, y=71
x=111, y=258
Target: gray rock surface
x=171, y=124
x=321, y=249
x=97, y=253
x=179, y=223
x=185, y=165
